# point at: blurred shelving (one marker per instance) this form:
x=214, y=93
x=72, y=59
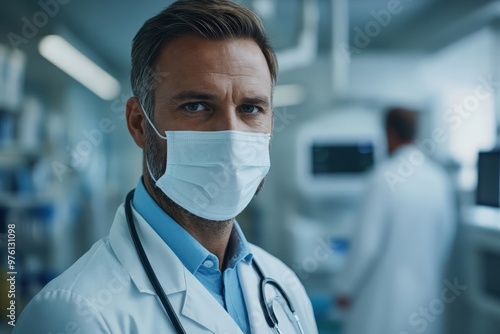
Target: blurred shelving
x=14, y=157
x=31, y=197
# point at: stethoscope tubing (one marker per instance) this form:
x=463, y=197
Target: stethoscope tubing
x=149, y=270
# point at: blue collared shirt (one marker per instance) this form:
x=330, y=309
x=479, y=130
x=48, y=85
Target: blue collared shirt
x=225, y=287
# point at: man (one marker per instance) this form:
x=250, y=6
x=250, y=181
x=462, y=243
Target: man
x=399, y=247
x=202, y=75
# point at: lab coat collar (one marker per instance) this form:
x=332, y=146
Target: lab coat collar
x=198, y=305
x=404, y=150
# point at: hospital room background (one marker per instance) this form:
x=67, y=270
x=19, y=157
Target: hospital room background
x=67, y=159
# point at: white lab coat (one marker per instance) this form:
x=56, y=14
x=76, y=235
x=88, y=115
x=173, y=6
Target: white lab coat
x=107, y=291
x=399, y=248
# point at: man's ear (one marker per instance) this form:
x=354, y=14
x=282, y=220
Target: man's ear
x=135, y=121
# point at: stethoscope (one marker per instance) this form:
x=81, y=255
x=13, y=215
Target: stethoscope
x=267, y=308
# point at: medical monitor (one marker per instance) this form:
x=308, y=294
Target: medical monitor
x=488, y=179
x=346, y=158
x=491, y=274
x=336, y=152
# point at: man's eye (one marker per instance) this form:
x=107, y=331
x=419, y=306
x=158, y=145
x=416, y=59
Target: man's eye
x=250, y=109
x=194, y=107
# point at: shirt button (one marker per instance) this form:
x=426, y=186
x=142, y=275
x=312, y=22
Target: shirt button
x=208, y=264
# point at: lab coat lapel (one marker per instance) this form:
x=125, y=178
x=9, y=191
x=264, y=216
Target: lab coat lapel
x=198, y=304
x=171, y=277
x=250, y=283
x=202, y=307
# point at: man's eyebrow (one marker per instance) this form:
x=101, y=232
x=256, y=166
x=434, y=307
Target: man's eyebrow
x=203, y=96
x=193, y=95
x=257, y=100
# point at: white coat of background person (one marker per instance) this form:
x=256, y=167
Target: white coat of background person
x=395, y=268
x=202, y=74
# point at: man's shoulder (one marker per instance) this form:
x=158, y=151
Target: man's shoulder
x=92, y=269
x=264, y=256
x=71, y=299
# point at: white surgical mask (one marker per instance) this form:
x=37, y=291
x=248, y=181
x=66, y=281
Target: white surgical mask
x=213, y=174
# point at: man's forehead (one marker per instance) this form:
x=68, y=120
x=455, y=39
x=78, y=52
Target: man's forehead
x=190, y=52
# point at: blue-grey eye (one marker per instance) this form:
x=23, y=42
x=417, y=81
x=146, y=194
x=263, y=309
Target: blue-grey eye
x=250, y=109
x=194, y=107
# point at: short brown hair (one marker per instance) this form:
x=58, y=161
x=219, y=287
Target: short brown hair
x=403, y=122
x=211, y=19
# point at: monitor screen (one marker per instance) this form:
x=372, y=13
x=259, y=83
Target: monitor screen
x=331, y=159
x=488, y=179
x=491, y=274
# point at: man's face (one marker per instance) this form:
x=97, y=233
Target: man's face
x=213, y=86
x=204, y=86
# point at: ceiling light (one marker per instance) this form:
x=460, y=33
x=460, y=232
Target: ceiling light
x=69, y=59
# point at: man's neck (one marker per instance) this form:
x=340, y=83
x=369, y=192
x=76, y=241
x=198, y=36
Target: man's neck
x=213, y=235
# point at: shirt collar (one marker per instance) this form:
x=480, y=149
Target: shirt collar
x=239, y=249
x=191, y=253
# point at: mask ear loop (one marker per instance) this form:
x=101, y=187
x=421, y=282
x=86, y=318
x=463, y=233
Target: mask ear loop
x=159, y=135
x=151, y=123
x=150, y=172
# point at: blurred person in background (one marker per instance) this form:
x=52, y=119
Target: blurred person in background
x=400, y=244
x=202, y=75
